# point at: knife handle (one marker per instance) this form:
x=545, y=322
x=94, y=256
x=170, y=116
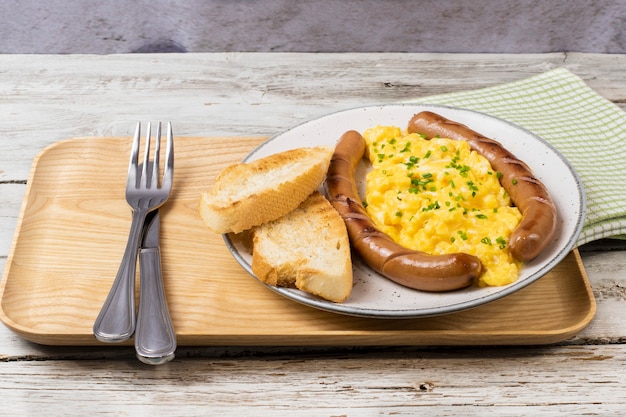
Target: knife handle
x=155, y=339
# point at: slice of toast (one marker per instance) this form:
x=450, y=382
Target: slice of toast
x=308, y=249
x=245, y=195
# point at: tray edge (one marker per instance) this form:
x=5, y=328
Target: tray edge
x=365, y=340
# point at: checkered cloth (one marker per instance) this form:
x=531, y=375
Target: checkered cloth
x=586, y=128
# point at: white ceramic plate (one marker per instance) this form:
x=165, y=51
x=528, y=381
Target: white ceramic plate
x=375, y=296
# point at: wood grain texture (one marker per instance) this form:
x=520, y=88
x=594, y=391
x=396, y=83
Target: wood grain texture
x=238, y=94
x=573, y=381
x=73, y=227
x=47, y=98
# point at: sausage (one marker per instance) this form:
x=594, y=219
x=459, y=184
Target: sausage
x=404, y=266
x=539, y=215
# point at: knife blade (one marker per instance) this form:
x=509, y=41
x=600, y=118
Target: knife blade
x=155, y=339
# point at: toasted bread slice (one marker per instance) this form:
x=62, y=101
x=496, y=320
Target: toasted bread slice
x=307, y=249
x=245, y=195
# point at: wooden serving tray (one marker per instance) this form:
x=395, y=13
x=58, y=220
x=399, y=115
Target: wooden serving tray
x=72, y=232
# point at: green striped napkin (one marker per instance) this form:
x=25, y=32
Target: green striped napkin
x=586, y=128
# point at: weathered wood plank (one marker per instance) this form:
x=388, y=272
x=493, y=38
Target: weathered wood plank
x=48, y=98
x=579, y=380
x=240, y=94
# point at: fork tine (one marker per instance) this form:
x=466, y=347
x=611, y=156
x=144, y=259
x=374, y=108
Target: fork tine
x=145, y=179
x=134, y=156
x=169, y=156
x=116, y=320
x=157, y=157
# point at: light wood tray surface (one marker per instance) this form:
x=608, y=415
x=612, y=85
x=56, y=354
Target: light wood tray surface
x=72, y=232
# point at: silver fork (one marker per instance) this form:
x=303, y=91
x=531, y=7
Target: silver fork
x=116, y=321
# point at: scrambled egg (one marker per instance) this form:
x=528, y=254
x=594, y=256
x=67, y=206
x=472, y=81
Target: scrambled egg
x=438, y=196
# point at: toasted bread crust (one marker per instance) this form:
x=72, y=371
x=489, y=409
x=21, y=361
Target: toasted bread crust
x=249, y=194
x=308, y=249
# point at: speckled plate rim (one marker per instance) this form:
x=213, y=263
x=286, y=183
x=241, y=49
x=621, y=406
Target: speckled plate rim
x=377, y=297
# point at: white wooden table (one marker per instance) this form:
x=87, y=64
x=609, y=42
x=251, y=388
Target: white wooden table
x=44, y=99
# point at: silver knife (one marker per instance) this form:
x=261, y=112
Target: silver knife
x=155, y=339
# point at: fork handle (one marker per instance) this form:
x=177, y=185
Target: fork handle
x=155, y=339
x=116, y=321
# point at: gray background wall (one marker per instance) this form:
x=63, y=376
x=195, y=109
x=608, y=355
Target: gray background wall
x=115, y=26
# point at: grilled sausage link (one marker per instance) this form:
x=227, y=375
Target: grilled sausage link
x=404, y=266
x=539, y=215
